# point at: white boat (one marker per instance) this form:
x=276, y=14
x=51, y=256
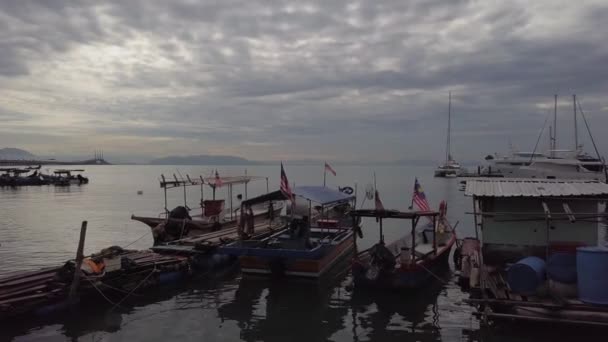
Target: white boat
x=450, y=168
x=555, y=164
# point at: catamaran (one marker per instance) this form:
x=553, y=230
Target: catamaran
x=450, y=168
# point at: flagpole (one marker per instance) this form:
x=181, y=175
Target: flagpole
x=324, y=173
x=412, y=203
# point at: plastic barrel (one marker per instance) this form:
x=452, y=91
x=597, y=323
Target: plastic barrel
x=561, y=267
x=592, y=266
x=526, y=275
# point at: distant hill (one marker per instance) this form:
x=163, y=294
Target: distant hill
x=200, y=160
x=12, y=153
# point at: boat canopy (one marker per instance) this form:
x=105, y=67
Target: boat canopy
x=226, y=180
x=322, y=195
x=318, y=194
x=271, y=196
x=396, y=214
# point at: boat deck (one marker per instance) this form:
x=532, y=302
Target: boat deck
x=500, y=303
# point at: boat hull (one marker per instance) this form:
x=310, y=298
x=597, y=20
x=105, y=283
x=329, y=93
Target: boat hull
x=294, y=265
x=196, y=227
x=410, y=278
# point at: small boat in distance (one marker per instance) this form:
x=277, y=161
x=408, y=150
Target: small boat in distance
x=450, y=168
x=67, y=177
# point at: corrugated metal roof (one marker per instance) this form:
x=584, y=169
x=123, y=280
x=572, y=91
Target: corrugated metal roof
x=518, y=187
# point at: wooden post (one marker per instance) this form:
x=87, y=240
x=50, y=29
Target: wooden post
x=414, y=224
x=381, y=231
x=355, y=228
x=435, y=235
x=79, y=257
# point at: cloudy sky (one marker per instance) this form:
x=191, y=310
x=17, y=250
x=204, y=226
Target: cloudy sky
x=336, y=80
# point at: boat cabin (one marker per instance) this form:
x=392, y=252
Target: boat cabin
x=536, y=217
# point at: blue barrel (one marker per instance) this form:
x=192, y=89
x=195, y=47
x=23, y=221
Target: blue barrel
x=526, y=275
x=561, y=267
x=592, y=265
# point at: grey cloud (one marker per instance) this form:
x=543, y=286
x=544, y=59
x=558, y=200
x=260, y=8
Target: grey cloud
x=305, y=75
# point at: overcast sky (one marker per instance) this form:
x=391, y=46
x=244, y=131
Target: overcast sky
x=336, y=80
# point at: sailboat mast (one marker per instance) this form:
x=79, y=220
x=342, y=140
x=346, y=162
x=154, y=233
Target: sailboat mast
x=575, y=126
x=554, y=145
x=447, y=149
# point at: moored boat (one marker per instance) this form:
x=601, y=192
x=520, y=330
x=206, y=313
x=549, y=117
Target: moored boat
x=450, y=168
x=412, y=260
x=182, y=222
x=311, y=245
x=409, y=262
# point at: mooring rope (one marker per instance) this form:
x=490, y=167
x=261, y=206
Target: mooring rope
x=134, y=289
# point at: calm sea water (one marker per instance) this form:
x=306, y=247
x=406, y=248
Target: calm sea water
x=40, y=227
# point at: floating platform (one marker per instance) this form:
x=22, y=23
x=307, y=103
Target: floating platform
x=499, y=303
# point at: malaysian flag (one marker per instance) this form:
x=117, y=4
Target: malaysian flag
x=379, y=205
x=218, y=181
x=329, y=168
x=419, y=198
x=285, y=189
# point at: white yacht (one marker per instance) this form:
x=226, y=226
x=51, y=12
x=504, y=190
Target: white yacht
x=450, y=168
x=555, y=164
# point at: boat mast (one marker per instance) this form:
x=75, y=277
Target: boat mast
x=448, y=157
x=554, y=145
x=575, y=126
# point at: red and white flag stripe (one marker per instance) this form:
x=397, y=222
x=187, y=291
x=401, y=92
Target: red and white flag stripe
x=330, y=169
x=285, y=188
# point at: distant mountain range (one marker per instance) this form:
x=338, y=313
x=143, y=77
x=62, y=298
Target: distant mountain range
x=202, y=159
x=12, y=153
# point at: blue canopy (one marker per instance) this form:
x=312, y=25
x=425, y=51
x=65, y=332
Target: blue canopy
x=321, y=194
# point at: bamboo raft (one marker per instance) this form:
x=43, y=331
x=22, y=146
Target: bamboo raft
x=498, y=302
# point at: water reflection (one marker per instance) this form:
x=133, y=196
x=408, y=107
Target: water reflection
x=274, y=310
x=388, y=316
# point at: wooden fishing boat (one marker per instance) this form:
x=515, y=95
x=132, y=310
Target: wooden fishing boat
x=409, y=262
x=182, y=222
x=112, y=273
x=307, y=248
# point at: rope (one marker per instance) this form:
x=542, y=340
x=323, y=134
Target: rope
x=433, y=274
x=101, y=293
x=136, y=287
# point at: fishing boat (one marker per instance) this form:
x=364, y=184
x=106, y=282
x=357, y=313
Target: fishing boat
x=317, y=238
x=182, y=221
x=409, y=262
x=450, y=168
x=72, y=176
x=541, y=256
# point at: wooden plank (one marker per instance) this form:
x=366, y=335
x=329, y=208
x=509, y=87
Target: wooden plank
x=22, y=291
x=21, y=274
x=538, y=304
x=32, y=279
x=24, y=298
x=543, y=319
